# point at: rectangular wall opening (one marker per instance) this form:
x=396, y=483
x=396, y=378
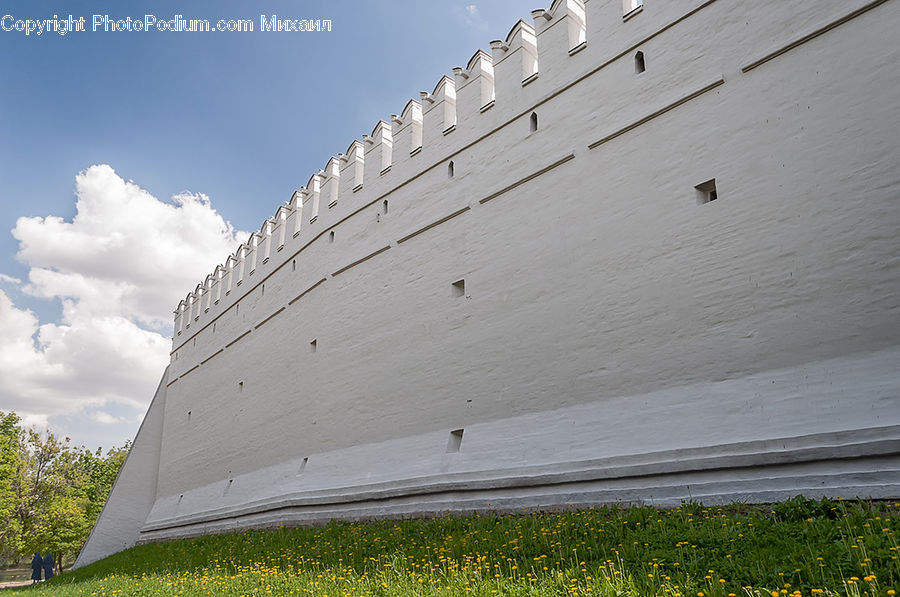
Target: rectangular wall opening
x=455, y=441
x=302, y=466
x=458, y=288
x=706, y=192
x=313, y=345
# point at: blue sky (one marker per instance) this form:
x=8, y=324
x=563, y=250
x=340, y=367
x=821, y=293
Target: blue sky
x=222, y=126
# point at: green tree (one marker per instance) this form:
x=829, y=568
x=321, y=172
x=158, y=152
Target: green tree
x=102, y=471
x=51, y=493
x=57, y=517
x=10, y=469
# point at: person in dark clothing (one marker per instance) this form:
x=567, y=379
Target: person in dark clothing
x=48, y=566
x=36, y=565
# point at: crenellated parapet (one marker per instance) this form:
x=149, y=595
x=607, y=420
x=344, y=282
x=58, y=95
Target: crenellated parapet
x=378, y=148
x=439, y=111
x=562, y=28
x=494, y=87
x=475, y=85
x=352, y=169
x=279, y=230
x=331, y=179
x=407, y=132
x=312, y=194
x=294, y=218
x=515, y=61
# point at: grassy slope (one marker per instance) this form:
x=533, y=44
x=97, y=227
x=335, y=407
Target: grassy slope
x=798, y=546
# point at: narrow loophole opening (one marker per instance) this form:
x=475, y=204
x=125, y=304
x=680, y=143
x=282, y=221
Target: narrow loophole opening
x=455, y=441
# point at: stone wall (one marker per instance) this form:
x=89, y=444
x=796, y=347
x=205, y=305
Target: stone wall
x=644, y=258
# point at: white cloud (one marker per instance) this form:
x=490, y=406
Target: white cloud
x=471, y=16
x=39, y=422
x=119, y=268
x=9, y=279
x=125, y=252
x=105, y=418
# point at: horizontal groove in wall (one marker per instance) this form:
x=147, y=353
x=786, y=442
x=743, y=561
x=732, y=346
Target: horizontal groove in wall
x=433, y=224
x=522, y=181
x=238, y=338
x=173, y=381
x=358, y=261
x=811, y=36
x=210, y=357
x=197, y=366
x=577, y=48
x=304, y=293
x=845, y=445
x=660, y=112
x=260, y=324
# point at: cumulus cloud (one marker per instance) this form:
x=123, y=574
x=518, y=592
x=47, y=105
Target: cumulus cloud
x=118, y=268
x=125, y=252
x=9, y=279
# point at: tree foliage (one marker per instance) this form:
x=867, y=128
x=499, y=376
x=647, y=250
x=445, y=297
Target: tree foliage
x=51, y=493
x=10, y=467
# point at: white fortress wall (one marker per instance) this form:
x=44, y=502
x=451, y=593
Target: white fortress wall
x=562, y=320
x=134, y=490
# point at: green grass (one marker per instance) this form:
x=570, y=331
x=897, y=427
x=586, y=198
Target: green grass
x=798, y=547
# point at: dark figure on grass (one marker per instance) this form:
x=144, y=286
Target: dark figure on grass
x=48, y=566
x=36, y=565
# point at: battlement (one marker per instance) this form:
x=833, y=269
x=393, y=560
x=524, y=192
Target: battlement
x=492, y=88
